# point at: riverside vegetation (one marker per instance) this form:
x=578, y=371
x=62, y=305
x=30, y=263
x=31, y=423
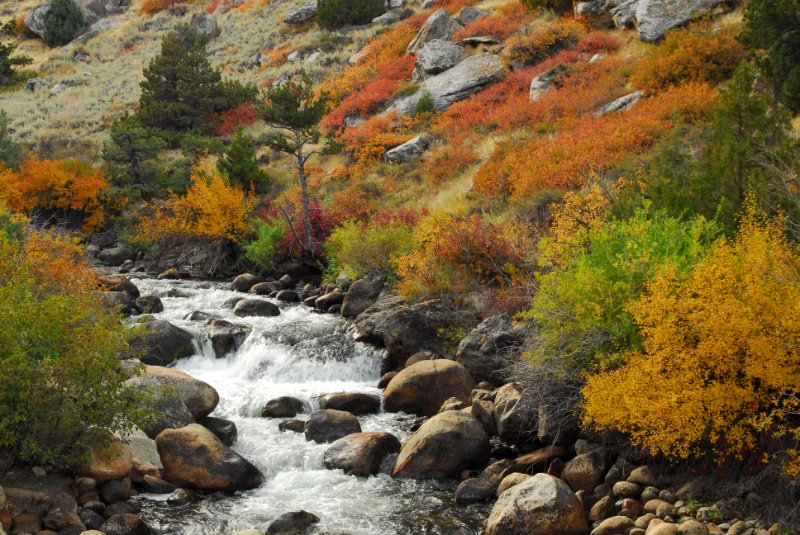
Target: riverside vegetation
x=571, y=226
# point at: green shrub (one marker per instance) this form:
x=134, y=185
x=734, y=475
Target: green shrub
x=332, y=14
x=556, y=5
x=63, y=22
x=425, y=104
x=358, y=249
x=264, y=248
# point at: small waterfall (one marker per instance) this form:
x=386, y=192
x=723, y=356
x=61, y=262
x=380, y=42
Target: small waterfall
x=304, y=355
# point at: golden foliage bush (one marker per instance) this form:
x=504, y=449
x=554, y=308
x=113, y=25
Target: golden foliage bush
x=536, y=46
x=211, y=208
x=720, y=366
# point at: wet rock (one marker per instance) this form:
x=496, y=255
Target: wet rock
x=149, y=304
x=355, y=403
x=483, y=352
x=361, y=295
x=226, y=336
x=156, y=485
x=170, y=274
x=120, y=301
x=114, y=491
x=194, y=457
x=302, y=14
x=263, y=288
x=122, y=508
x=28, y=523
x=475, y=490
x=540, y=505
x=295, y=523
x=410, y=149
x=442, y=447
x=115, y=256
x=223, y=429
x=288, y=296
x=183, y=497
x=255, y=307
x=161, y=343
x=385, y=379
x=361, y=454
x=654, y=18
x=125, y=524
x=119, y=283
x=328, y=300
x=329, y=425
x=59, y=519
x=283, y=407
x=423, y=387
x=468, y=77
x=244, y=282
x=294, y=425
x=438, y=26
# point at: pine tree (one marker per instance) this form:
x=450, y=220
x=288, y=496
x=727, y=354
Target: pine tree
x=63, y=22
x=8, y=61
x=240, y=164
x=10, y=150
x=131, y=156
x=294, y=109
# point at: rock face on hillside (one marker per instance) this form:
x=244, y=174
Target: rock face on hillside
x=93, y=11
x=438, y=56
x=302, y=14
x=483, y=351
x=655, y=17
x=409, y=149
x=438, y=26
x=470, y=76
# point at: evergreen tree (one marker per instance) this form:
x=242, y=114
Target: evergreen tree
x=63, y=22
x=181, y=90
x=10, y=150
x=8, y=61
x=332, y=14
x=773, y=27
x=131, y=156
x=294, y=109
x=240, y=164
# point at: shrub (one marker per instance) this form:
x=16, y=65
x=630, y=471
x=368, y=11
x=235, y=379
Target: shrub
x=595, y=42
x=10, y=150
x=555, y=5
x=425, y=104
x=63, y=22
x=264, y=249
x=535, y=47
x=60, y=372
x=360, y=249
x=149, y=7
x=445, y=162
x=240, y=165
x=332, y=14
x=44, y=188
x=230, y=120
x=508, y=20
x=715, y=373
x=8, y=61
x=694, y=54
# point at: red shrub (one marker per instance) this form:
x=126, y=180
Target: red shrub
x=230, y=120
x=595, y=42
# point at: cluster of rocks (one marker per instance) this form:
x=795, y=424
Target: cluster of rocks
x=94, y=11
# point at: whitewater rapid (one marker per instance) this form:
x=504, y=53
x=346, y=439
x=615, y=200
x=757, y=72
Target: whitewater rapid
x=305, y=355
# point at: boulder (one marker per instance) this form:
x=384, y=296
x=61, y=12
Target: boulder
x=205, y=24
x=421, y=356
x=439, y=55
x=438, y=26
x=385, y=379
x=442, y=447
x=470, y=14
x=263, y=288
x=113, y=256
x=149, y=304
x=512, y=479
x=622, y=103
x=161, y=343
x=288, y=296
x=194, y=457
x=355, y=403
x=411, y=148
x=360, y=454
x=109, y=458
x=468, y=77
x=295, y=523
x=144, y=454
x=170, y=274
x=58, y=519
x=302, y=14
x=223, y=429
x=119, y=283
x=125, y=524
x=541, y=83
x=294, y=425
x=226, y=336
x=540, y=505
x=283, y=407
x=329, y=425
x=255, y=307
x=361, y=295
x=423, y=387
x=586, y=471
x=35, y=21
x=613, y=525
x=120, y=301
x=540, y=460
x=114, y=491
x=475, y=490
x=244, y=282
x=483, y=352
x=654, y=18
x=329, y=300
x=514, y=423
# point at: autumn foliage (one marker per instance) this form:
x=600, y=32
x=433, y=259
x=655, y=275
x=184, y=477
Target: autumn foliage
x=544, y=41
x=719, y=367
x=149, y=7
x=229, y=121
x=499, y=26
x=63, y=187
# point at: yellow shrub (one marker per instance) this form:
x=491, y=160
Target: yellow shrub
x=720, y=364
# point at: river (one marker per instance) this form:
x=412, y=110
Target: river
x=302, y=354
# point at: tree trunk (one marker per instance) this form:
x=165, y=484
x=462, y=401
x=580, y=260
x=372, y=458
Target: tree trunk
x=301, y=164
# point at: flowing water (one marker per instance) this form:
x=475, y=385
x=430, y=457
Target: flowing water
x=302, y=354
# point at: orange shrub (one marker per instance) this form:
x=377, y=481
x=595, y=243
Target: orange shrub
x=232, y=119
x=598, y=41
x=445, y=162
x=149, y=7
x=589, y=143
x=694, y=54
x=508, y=20
x=370, y=139
x=55, y=185
x=532, y=48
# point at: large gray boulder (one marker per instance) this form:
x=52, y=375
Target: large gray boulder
x=161, y=343
x=438, y=56
x=543, y=82
x=411, y=148
x=442, y=447
x=329, y=425
x=622, y=103
x=515, y=423
x=115, y=256
x=485, y=350
x=422, y=387
x=438, y=26
x=470, y=14
x=193, y=457
x=226, y=336
x=93, y=11
x=205, y=25
x=302, y=14
x=604, y=13
x=35, y=21
x=360, y=454
x=470, y=76
x=654, y=18
x=255, y=307
x=540, y=505
x=361, y=295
